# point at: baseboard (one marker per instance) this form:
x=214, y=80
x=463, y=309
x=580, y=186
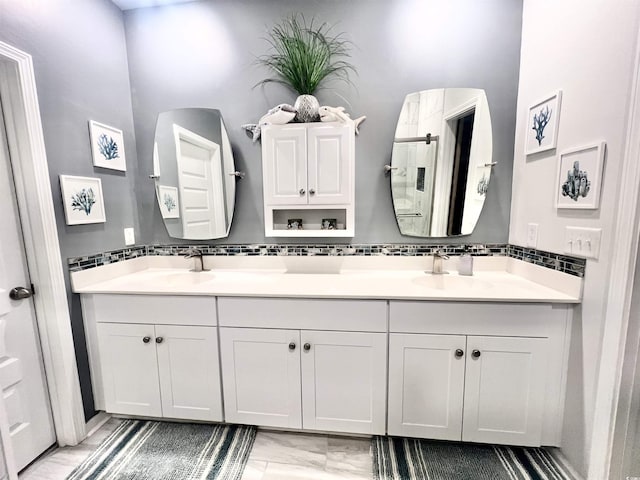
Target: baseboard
x=556, y=453
x=96, y=422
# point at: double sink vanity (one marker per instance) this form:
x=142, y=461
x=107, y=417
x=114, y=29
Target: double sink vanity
x=351, y=344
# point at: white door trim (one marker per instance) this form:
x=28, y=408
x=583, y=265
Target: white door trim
x=33, y=191
x=621, y=281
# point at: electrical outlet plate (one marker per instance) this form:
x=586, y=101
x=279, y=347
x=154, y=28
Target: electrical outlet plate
x=532, y=235
x=582, y=242
x=129, y=236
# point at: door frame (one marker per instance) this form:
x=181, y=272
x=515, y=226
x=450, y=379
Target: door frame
x=33, y=193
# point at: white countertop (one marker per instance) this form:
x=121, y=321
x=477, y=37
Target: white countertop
x=495, y=279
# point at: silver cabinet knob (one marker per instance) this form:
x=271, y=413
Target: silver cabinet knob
x=292, y=346
x=159, y=340
x=476, y=354
x=312, y=192
x=459, y=353
x=146, y=339
x=307, y=347
x=20, y=293
x=302, y=191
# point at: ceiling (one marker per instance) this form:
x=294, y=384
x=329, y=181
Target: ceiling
x=131, y=4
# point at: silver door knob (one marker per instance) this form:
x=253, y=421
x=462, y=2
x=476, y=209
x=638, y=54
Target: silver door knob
x=302, y=191
x=20, y=293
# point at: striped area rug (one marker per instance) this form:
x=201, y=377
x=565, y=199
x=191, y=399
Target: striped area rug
x=414, y=459
x=145, y=450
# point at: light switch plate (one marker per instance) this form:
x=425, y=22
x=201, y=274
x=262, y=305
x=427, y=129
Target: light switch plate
x=129, y=236
x=582, y=242
x=532, y=235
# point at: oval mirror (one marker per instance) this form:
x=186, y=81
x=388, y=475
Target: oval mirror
x=441, y=162
x=194, y=170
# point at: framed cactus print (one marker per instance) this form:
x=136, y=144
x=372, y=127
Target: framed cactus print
x=107, y=146
x=543, y=120
x=82, y=199
x=580, y=177
x=168, y=201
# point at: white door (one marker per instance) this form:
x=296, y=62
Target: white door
x=284, y=165
x=329, y=165
x=22, y=377
x=189, y=372
x=504, y=390
x=427, y=387
x=200, y=184
x=129, y=368
x=261, y=376
x=344, y=381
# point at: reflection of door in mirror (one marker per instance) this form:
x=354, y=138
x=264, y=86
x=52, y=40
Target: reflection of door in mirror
x=442, y=146
x=194, y=172
x=200, y=184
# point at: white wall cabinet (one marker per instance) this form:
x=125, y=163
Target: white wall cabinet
x=317, y=380
x=475, y=389
x=308, y=174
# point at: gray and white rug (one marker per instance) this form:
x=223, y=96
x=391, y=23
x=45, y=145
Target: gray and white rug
x=145, y=450
x=414, y=459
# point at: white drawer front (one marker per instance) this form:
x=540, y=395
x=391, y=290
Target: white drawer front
x=155, y=309
x=304, y=314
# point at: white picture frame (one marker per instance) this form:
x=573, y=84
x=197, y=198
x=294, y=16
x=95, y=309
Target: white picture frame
x=579, y=179
x=83, y=200
x=107, y=146
x=543, y=121
x=169, y=201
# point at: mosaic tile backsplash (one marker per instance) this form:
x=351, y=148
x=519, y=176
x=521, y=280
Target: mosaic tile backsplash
x=571, y=265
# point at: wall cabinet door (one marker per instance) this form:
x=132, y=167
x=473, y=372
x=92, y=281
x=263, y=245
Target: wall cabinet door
x=261, y=376
x=329, y=165
x=504, y=390
x=343, y=381
x=284, y=153
x=426, y=385
x=189, y=372
x=129, y=369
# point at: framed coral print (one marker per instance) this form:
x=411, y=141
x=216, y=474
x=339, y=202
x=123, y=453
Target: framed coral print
x=168, y=201
x=107, y=146
x=82, y=199
x=543, y=120
x=580, y=177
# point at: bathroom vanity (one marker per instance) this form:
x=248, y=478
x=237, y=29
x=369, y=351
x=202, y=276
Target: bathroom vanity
x=377, y=346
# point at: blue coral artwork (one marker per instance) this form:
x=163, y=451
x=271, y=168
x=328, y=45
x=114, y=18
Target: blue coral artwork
x=107, y=146
x=542, y=125
x=168, y=201
x=580, y=177
x=82, y=199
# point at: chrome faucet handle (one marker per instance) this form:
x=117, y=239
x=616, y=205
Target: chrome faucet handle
x=192, y=252
x=439, y=254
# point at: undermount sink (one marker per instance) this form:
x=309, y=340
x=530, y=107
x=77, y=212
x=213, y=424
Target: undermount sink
x=187, y=278
x=451, y=282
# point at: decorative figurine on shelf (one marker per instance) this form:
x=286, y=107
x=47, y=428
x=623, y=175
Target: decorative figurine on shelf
x=294, y=224
x=278, y=115
x=337, y=114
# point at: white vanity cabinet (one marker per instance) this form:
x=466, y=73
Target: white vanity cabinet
x=327, y=373
x=491, y=373
x=308, y=174
x=154, y=356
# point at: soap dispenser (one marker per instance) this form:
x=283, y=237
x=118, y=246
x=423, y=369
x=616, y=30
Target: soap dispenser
x=465, y=264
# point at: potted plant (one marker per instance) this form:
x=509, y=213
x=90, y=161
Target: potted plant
x=302, y=57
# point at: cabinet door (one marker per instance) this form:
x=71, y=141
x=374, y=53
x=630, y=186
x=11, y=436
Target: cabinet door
x=504, y=390
x=343, y=381
x=330, y=165
x=189, y=372
x=129, y=369
x=426, y=385
x=284, y=165
x=261, y=376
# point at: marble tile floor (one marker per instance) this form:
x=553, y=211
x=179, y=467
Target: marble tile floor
x=275, y=456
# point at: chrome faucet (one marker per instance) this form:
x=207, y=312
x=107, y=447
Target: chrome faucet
x=196, y=254
x=438, y=258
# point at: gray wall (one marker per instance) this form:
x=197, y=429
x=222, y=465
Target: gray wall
x=202, y=54
x=79, y=54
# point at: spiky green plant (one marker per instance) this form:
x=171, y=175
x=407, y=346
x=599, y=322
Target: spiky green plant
x=303, y=55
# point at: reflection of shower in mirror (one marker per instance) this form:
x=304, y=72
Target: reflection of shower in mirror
x=193, y=161
x=441, y=152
